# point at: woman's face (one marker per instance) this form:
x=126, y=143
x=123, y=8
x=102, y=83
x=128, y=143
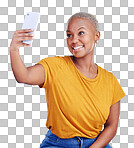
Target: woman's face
x=81, y=37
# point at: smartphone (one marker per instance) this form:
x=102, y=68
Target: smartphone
x=31, y=22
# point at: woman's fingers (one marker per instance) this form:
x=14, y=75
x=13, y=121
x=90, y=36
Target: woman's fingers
x=25, y=38
x=23, y=34
x=24, y=30
x=25, y=45
x=19, y=36
x=26, y=34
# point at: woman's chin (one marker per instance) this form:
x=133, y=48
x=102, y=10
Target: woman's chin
x=78, y=55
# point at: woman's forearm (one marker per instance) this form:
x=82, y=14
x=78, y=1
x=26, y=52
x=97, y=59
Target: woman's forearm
x=105, y=137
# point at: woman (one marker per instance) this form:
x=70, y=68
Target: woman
x=81, y=96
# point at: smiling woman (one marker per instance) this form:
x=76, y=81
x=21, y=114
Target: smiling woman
x=82, y=35
x=81, y=96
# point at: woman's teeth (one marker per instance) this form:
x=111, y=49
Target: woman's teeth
x=77, y=48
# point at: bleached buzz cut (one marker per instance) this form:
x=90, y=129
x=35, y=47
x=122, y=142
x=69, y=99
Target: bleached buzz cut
x=88, y=16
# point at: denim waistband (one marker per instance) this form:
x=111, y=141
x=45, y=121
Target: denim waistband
x=75, y=140
x=52, y=140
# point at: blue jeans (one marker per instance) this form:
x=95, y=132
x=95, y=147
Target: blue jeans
x=53, y=141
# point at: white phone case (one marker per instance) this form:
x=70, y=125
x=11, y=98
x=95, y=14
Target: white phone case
x=31, y=22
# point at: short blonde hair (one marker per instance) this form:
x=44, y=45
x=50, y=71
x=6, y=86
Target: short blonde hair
x=88, y=16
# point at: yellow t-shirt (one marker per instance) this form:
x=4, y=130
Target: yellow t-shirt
x=77, y=105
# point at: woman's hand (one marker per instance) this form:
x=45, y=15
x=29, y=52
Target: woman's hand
x=19, y=36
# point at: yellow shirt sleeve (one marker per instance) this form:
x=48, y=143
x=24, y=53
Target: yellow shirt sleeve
x=118, y=93
x=51, y=66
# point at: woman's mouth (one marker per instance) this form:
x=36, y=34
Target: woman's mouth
x=77, y=48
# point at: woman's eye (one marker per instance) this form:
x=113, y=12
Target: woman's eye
x=69, y=35
x=81, y=32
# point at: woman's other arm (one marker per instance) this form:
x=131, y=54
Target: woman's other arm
x=110, y=127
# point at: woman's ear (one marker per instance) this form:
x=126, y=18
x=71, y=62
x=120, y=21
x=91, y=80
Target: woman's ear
x=97, y=36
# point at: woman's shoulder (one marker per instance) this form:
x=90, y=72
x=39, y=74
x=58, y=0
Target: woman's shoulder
x=105, y=73
x=57, y=57
x=53, y=59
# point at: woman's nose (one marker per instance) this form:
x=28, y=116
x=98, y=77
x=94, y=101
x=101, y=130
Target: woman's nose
x=75, y=39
